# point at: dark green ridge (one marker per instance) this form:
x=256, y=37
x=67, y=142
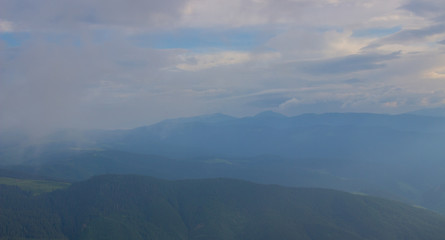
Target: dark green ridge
x=137, y=207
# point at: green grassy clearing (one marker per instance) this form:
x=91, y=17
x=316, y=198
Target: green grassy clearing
x=34, y=186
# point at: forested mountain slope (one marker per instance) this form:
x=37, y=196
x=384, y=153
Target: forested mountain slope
x=135, y=207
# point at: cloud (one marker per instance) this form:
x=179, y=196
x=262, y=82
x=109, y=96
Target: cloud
x=426, y=8
x=289, y=103
x=410, y=36
x=348, y=64
x=205, y=61
x=5, y=26
x=430, y=10
x=311, y=45
x=60, y=14
x=120, y=64
x=47, y=86
x=391, y=104
x=137, y=15
x=197, y=62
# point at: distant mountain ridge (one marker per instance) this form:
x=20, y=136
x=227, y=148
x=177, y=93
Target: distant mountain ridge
x=272, y=133
x=395, y=156
x=434, y=112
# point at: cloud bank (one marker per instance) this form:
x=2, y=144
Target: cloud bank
x=121, y=64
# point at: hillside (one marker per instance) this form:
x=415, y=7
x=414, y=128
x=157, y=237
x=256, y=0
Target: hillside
x=135, y=207
x=326, y=173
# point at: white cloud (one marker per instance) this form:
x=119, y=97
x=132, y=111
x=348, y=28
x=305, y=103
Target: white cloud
x=204, y=61
x=435, y=73
x=303, y=44
x=392, y=104
x=197, y=62
x=6, y=26
x=289, y=103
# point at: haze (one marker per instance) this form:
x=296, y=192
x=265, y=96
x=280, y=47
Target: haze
x=122, y=64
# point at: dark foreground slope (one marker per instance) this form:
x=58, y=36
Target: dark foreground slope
x=134, y=207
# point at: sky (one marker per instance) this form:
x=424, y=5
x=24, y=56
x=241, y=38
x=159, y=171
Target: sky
x=111, y=64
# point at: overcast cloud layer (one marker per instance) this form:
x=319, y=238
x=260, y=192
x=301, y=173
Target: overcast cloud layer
x=121, y=64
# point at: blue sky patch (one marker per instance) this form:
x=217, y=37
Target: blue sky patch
x=14, y=39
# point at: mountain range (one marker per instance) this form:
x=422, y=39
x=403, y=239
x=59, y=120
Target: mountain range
x=392, y=156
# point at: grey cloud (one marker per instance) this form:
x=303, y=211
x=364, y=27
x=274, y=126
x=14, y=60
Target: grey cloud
x=407, y=36
x=146, y=14
x=48, y=14
x=348, y=64
x=389, y=99
x=430, y=9
x=424, y=7
x=299, y=43
x=267, y=101
x=314, y=107
x=48, y=86
x=354, y=81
